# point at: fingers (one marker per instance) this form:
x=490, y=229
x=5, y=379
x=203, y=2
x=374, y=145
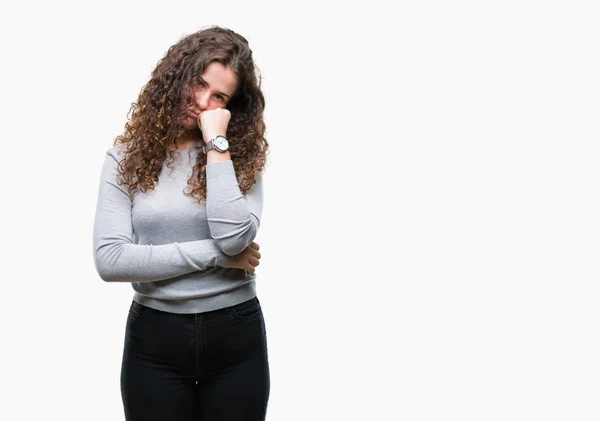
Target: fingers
x=251, y=267
x=253, y=249
x=249, y=258
x=251, y=264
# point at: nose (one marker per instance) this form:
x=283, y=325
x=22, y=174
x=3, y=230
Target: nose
x=202, y=100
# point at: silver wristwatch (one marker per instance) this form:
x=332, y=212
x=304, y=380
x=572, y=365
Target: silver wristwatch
x=220, y=143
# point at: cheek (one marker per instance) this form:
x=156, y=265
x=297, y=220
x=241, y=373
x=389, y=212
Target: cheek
x=189, y=123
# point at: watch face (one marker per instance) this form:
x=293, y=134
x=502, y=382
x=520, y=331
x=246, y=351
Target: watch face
x=221, y=143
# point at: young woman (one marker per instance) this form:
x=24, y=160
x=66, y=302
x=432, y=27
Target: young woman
x=179, y=207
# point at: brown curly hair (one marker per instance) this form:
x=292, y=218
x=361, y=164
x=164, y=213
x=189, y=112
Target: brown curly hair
x=155, y=121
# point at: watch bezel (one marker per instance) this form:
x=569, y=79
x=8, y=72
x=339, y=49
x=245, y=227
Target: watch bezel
x=224, y=142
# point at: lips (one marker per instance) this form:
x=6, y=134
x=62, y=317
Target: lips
x=193, y=114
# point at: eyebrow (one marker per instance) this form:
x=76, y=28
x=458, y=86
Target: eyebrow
x=219, y=92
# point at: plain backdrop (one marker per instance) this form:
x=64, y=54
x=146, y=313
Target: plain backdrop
x=430, y=231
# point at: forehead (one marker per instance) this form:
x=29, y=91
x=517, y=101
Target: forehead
x=220, y=78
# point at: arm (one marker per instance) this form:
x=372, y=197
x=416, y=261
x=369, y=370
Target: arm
x=233, y=218
x=118, y=259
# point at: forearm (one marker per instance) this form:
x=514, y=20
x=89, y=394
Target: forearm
x=121, y=261
x=213, y=156
x=233, y=218
x=118, y=257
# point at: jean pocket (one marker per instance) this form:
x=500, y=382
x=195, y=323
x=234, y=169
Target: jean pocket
x=246, y=310
x=136, y=310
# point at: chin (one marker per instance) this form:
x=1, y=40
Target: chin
x=190, y=124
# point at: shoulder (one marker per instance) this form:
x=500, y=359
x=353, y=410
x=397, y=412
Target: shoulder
x=117, y=152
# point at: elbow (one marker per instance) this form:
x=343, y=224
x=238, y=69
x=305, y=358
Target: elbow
x=229, y=248
x=105, y=268
x=234, y=243
x=105, y=273
x=109, y=278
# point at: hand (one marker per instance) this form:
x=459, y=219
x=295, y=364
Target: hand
x=248, y=259
x=213, y=122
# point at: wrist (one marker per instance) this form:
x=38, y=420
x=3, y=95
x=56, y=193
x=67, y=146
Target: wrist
x=207, y=137
x=214, y=156
x=219, y=144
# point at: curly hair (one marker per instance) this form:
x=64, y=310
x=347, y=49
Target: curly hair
x=155, y=121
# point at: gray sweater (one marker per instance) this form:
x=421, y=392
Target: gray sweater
x=175, y=252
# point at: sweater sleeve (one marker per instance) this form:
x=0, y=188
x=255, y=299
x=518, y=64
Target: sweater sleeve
x=118, y=259
x=233, y=218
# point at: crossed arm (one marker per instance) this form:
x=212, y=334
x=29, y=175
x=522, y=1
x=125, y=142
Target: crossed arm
x=233, y=222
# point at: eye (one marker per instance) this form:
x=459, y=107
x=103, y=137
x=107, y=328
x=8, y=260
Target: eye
x=220, y=97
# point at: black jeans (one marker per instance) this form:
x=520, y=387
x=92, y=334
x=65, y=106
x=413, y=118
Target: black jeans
x=209, y=366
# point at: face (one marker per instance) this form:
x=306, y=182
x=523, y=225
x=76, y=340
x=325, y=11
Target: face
x=214, y=89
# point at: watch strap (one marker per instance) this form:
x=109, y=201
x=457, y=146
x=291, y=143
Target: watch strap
x=209, y=145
